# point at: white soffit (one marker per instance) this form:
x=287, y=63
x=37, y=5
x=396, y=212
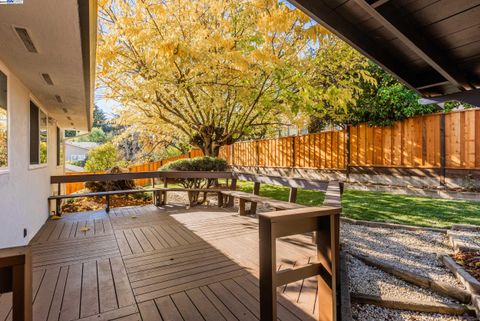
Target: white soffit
x=54, y=28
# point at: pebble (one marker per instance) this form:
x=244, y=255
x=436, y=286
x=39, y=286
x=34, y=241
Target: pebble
x=369, y=280
x=415, y=251
x=365, y=312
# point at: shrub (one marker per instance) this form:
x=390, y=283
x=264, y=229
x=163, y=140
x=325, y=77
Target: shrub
x=207, y=164
x=119, y=185
x=102, y=158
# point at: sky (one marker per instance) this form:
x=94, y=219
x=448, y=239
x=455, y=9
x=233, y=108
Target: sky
x=107, y=105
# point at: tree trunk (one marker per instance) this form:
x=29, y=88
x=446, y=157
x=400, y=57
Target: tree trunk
x=210, y=149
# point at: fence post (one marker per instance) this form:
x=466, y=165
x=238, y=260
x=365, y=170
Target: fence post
x=293, y=151
x=257, y=151
x=232, y=154
x=442, y=149
x=347, y=151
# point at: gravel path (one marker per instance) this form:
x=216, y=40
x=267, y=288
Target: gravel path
x=369, y=280
x=374, y=313
x=415, y=251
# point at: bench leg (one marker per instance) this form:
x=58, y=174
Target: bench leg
x=220, y=199
x=230, y=201
x=253, y=208
x=107, y=198
x=241, y=207
x=58, y=207
x=164, y=198
x=157, y=198
x=190, y=198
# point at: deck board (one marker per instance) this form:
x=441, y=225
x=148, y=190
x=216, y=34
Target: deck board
x=149, y=263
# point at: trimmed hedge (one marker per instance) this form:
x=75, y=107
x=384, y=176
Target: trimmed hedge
x=124, y=184
x=197, y=164
x=206, y=163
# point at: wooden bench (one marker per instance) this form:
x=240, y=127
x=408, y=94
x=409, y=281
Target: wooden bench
x=159, y=195
x=255, y=199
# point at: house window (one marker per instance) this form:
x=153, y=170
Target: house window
x=60, y=148
x=3, y=122
x=38, y=135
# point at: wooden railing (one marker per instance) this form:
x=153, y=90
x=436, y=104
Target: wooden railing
x=325, y=223
x=147, y=167
x=152, y=176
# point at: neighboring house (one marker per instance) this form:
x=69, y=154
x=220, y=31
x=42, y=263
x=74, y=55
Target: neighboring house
x=47, y=57
x=78, y=151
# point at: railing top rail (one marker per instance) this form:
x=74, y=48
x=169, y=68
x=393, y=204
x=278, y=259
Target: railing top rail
x=300, y=213
x=294, y=182
x=137, y=175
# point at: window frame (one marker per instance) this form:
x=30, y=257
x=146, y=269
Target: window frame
x=6, y=170
x=40, y=109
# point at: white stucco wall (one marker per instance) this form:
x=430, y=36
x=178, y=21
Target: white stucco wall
x=23, y=190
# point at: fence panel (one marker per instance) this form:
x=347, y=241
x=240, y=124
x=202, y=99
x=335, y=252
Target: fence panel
x=413, y=142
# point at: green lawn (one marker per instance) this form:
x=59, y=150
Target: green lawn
x=304, y=197
x=385, y=207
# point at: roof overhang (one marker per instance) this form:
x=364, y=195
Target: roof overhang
x=432, y=46
x=60, y=72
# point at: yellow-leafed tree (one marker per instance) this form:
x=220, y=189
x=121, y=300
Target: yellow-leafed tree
x=213, y=71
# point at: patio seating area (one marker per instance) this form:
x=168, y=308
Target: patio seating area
x=159, y=263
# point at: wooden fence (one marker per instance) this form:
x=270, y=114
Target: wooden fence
x=147, y=167
x=433, y=141
x=448, y=141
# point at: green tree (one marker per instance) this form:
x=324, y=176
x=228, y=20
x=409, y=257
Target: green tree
x=96, y=135
x=331, y=92
x=102, y=158
x=100, y=120
x=387, y=100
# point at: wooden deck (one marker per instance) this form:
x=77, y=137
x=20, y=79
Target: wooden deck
x=149, y=263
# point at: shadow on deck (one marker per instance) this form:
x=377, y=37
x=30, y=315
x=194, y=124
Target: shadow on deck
x=149, y=263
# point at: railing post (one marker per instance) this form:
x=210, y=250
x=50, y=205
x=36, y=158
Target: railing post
x=268, y=289
x=16, y=277
x=328, y=249
x=164, y=197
